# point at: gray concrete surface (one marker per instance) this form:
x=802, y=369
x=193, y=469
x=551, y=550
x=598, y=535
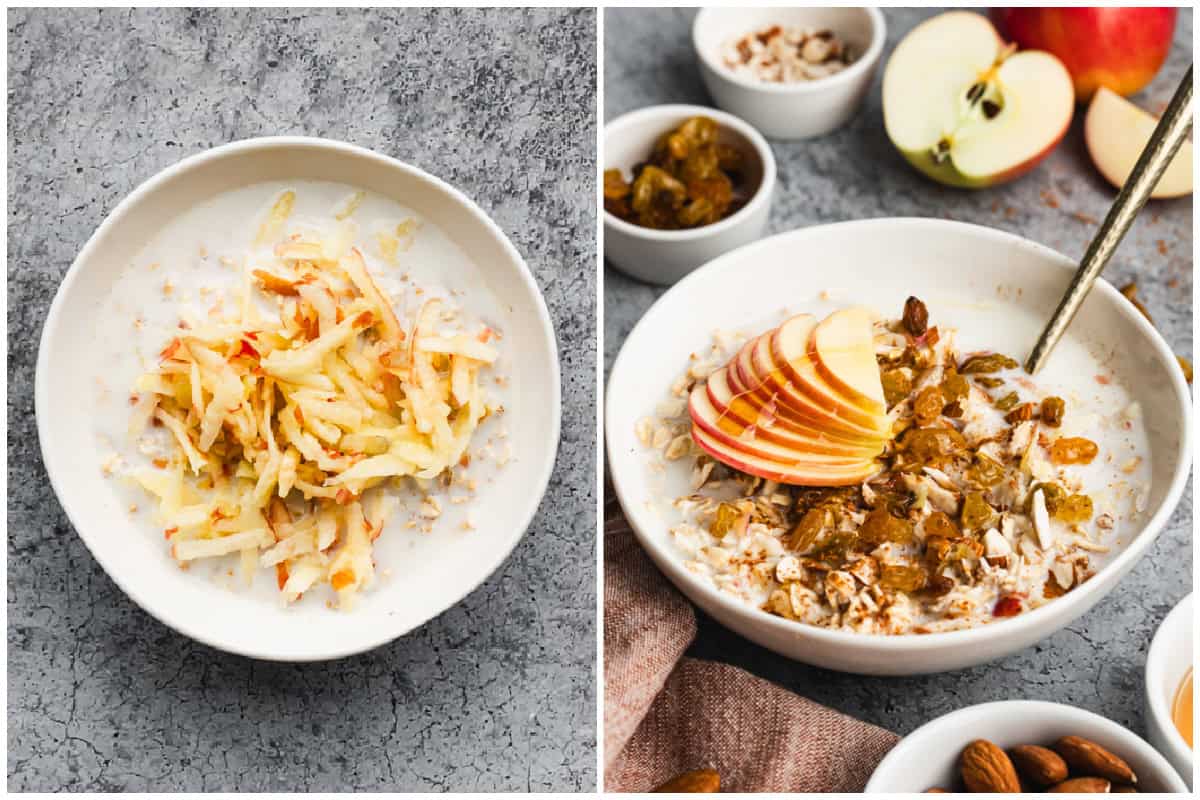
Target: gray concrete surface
x=495, y=694
x=1097, y=662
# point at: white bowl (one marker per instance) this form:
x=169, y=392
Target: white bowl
x=664, y=257
x=430, y=572
x=790, y=110
x=998, y=289
x=928, y=756
x=1167, y=662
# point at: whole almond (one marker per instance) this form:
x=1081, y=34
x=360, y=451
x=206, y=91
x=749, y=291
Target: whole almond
x=985, y=768
x=698, y=781
x=1088, y=758
x=1039, y=765
x=1081, y=785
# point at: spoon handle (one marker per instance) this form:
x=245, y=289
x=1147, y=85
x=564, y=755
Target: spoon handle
x=1171, y=132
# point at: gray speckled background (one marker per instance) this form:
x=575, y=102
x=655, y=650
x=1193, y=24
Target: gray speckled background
x=1097, y=662
x=496, y=693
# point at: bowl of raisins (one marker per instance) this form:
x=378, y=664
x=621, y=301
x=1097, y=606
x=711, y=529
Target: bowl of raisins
x=682, y=185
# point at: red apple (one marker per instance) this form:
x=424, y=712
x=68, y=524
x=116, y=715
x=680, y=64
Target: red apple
x=1119, y=48
x=843, y=351
x=770, y=441
x=966, y=110
x=798, y=473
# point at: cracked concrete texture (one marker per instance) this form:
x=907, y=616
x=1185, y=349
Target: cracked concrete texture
x=495, y=694
x=1096, y=662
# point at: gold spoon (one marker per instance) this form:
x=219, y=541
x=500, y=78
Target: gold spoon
x=1170, y=133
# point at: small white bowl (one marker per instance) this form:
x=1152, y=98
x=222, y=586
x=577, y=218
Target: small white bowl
x=928, y=756
x=1167, y=662
x=421, y=575
x=790, y=110
x=664, y=257
x=997, y=289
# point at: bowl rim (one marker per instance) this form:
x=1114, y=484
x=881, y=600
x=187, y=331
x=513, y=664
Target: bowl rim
x=1160, y=712
x=1025, y=708
x=865, y=63
x=146, y=188
x=761, y=195
x=930, y=642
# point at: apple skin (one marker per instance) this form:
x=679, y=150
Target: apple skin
x=796, y=475
x=1119, y=48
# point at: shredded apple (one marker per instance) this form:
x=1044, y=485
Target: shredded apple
x=288, y=428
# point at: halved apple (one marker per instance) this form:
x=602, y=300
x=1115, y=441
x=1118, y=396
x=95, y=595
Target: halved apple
x=1116, y=132
x=803, y=473
x=757, y=367
x=843, y=350
x=966, y=110
x=789, y=349
x=769, y=441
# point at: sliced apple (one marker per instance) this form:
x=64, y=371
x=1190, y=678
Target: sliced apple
x=967, y=111
x=748, y=407
x=843, y=350
x=789, y=350
x=770, y=441
x=801, y=473
x=1116, y=132
x=756, y=372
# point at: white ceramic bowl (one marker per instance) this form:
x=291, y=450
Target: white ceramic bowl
x=1167, y=662
x=928, y=756
x=428, y=573
x=790, y=110
x=997, y=289
x=664, y=257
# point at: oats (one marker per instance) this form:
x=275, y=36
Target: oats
x=678, y=447
x=644, y=429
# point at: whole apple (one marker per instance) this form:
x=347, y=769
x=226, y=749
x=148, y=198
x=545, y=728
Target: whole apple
x=1118, y=48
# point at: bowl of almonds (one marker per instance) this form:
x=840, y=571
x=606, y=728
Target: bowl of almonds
x=1016, y=746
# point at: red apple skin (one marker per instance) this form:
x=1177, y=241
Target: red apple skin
x=782, y=473
x=1121, y=48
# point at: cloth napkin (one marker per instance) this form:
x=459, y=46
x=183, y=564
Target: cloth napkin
x=665, y=714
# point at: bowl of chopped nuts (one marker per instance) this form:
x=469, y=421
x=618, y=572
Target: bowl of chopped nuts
x=825, y=440
x=793, y=73
x=1023, y=746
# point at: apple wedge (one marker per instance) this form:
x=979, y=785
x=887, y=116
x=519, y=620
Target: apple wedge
x=750, y=408
x=966, y=110
x=769, y=441
x=800, y=473
x=789, y=351
x=1116, y=131
x=843, y=350
x=754, y=375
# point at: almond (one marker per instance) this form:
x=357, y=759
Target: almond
x=697, y=781
x=1089, y=758
x=985, y=768
x=1082, y=785
x=1038, y=765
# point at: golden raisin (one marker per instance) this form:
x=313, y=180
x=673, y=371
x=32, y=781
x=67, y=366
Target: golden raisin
x=896, y=386
x=804, y=535
x=1075, y=508
x=1022, y=413
x=989, y=383
x=1008, y=402
x=985, y=471
x=976, y=513
x=916, y=316
x=1073, y=450
x=902, y=577
x=1052, y=411
x=955, y=386
x=939, y=524
x=1053, y=496
x=928, y=405
x=927, y=444
x=992, y=362
x=880, y=526
x=727, y=518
